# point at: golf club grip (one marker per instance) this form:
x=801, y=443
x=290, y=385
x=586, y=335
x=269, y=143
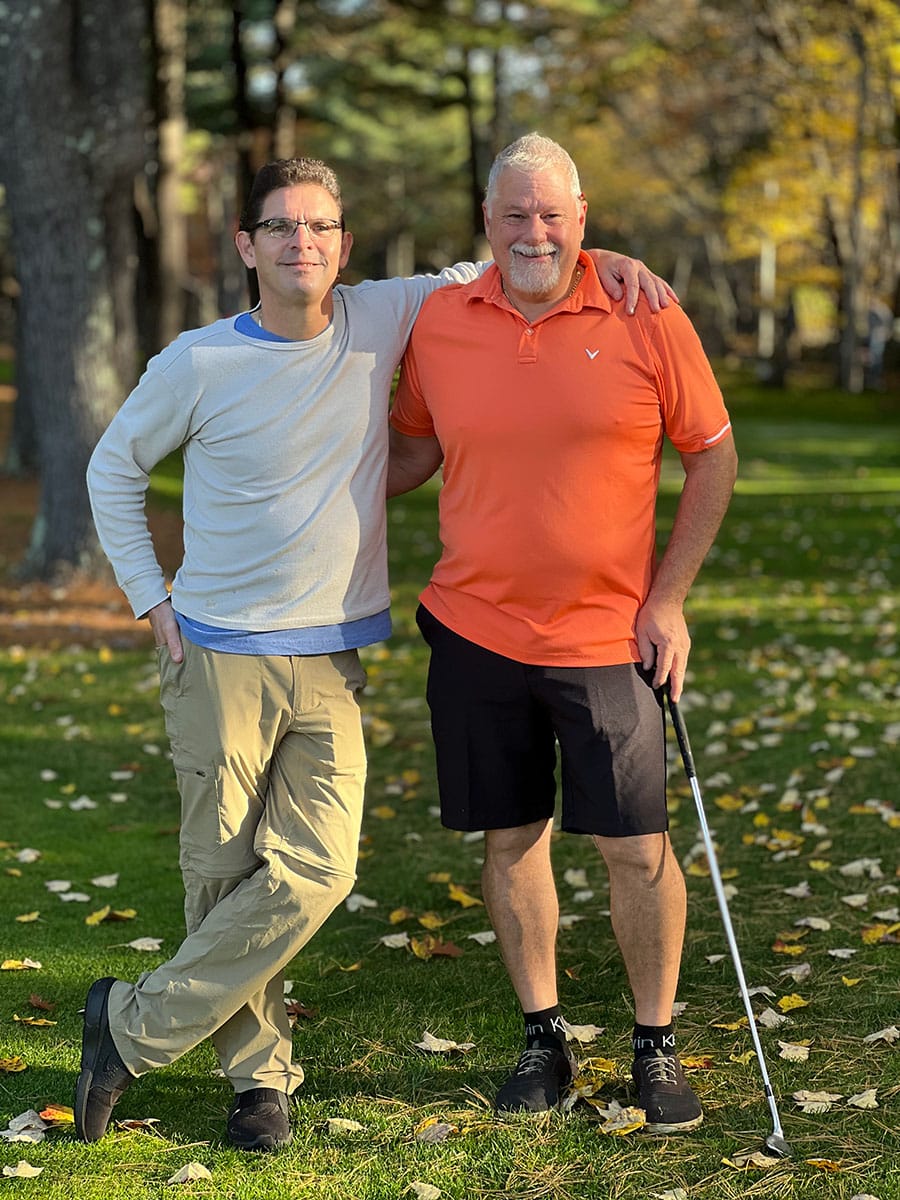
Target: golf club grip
x=681, y=734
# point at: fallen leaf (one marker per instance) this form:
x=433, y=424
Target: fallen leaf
x=58, y=1114
x=23, y=964
x=788, y=1003
x=583, y=1033
x=674, y=1194
x=383, y=812
x=395, y=941
x=743, y=1059
x=435, y=1045
x=342, y=1125
x=622, y=1121
x=799, y=973
x=22, y=1170
x=889, y=1035
x=432, y=1129
x=770, y=1019
x=430, y=920
x=189, y=1172
x=857, y=900
x=848, y=982
x=576, y=877
x=780, y=946
x=356, y=902
x=751, y=1158
x=439, y=877
x=794, y=1051
x=27, y=918
x=842, y=952
x=39, y=1002
x=13, y=1065
x=816, y=1102
x=824, y=1164
x=864, y=1099
x=297, y=1011
x=697, y=1062
x=818, y=923
x=424, y=1191
x=401, y=914
x=460, y=896
x=36, y=1022
x=145, y=943
x=140, y=1125
x=486, y=938
x=106, y=881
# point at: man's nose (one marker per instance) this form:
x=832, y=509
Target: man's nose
x=302, y=236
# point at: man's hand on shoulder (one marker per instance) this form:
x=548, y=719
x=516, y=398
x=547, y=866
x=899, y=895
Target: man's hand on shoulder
x=165, y=629
x=628, y=277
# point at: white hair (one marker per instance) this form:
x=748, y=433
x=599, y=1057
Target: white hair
x=530, y=153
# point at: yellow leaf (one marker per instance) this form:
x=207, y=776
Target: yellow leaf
x=850, y=982
x=383, y=812
x=699, y=1062
x=100, y=915
x=105, y=655
x=35, y=1021
x=59, y=1114
x=439, y=877
x=698, y=869
x=872, y=934
x=27, y=918
x=729, y=803
x=731, y=1026
x=824, y=1164
x=760, y=820
x=742, y=1059
x=12, y=1065
x=788, y=1003
x=67, y=789
x=14, y=871
x=353, y=967
x=781, y=947
x=115, y=710
x=431, y=920
x=18, y=964
x=401, y=914
x=423, y=947
x=819, y=864
x=461, y=896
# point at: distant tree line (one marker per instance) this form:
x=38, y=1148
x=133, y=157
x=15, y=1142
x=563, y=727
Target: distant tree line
x=747, y=151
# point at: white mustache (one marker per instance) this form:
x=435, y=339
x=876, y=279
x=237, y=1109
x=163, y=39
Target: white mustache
x=529, y=251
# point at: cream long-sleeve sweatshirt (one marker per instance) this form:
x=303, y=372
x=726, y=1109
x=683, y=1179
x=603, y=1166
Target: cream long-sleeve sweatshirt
x=285, y=454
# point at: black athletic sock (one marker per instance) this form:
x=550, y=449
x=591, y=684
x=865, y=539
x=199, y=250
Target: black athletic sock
x=647, y=1039
x=545, y=1027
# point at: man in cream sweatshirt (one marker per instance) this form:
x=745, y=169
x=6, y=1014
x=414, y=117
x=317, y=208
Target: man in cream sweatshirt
x=281, y=416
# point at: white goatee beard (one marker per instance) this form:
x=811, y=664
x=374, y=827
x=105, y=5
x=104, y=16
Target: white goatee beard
x=533, y=278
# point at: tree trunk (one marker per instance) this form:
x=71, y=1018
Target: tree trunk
x=73, y=85
x=169, y=45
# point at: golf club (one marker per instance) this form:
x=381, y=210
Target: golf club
x=775, y=1143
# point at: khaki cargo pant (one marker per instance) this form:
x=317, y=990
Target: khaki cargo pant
x=270, y=761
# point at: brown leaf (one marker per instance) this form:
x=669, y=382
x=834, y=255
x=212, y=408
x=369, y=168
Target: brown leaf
x=37, y=1001
x=295, y=1009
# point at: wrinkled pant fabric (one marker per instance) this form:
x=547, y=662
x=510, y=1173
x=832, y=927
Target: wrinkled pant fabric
x=270, y=761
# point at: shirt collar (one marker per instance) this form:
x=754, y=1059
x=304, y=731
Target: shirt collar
x=588, y=293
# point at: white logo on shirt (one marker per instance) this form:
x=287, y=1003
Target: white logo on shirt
x=592, y=354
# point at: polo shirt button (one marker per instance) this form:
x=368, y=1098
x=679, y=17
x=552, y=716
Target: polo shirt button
x=529, y=332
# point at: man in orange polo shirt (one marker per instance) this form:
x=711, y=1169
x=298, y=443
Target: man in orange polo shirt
x=548, y=617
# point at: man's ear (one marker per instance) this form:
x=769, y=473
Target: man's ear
x=346, y=246
x=244, y=243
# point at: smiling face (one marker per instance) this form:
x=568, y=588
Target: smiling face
x=535, y=226
x=296, y=274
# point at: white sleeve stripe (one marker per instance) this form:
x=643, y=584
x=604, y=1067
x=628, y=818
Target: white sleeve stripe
x=718, y=435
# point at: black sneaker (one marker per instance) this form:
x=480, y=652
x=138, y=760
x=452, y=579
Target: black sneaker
x=665, y=1095
x=104, y=1077
x=541, y=1074
x=258, y=1120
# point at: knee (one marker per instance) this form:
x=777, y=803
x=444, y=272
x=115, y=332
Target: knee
x=647, y=856
x=506, y=847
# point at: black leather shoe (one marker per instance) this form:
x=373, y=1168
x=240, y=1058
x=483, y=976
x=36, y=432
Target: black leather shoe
x=104, y=1077
x=258, y=1120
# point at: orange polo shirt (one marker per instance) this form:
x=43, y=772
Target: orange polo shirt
x=552, y=434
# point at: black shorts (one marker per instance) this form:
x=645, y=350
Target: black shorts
x=496, y=723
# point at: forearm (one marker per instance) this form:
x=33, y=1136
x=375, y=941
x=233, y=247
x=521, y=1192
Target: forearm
x=704, y=500
x=411, y=461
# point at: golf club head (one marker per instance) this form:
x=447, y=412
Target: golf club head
x=777, y=1146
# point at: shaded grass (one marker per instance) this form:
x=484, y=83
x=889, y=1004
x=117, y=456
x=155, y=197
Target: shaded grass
x=791, y=705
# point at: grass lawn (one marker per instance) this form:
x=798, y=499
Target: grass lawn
x=793, y=711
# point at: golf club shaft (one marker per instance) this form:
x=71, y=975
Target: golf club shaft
x=687, y=757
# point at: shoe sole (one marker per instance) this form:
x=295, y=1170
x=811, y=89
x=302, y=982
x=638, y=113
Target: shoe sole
x=261, y=1146
x=95, y=1023
x=682, y=1127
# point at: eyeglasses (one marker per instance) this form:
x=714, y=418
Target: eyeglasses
x=285, y=227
